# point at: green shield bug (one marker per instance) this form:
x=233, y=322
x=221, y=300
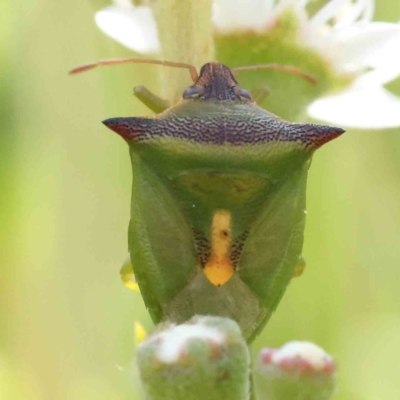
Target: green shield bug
x=218, y=200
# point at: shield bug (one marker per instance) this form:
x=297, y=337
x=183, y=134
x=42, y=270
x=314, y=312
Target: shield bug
x=218, y=200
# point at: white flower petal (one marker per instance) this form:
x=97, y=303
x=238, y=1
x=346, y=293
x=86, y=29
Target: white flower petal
x=368, y=107
x=368, y=12
x=339, y=14
x=387, y=56
x=123, y=3
x=368, y=45
x=302, y=3
x=360, y=10
x=236, y=15
x=326, y=13
x=133, y=27
x=380, y=76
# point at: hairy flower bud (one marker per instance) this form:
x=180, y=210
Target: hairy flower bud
x=205, y=357
x=298, y=370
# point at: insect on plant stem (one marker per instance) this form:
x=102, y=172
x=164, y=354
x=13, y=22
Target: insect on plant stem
x=219, y=186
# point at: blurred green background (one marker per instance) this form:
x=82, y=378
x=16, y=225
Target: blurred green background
x=66, y=321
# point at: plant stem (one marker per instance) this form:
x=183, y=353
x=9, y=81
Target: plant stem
x=186, y=35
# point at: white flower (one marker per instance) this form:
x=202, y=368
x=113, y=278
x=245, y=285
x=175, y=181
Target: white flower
x=364, y=104
x=342, y=31
x=134, y=27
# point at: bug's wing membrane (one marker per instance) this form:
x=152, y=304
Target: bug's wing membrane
x=234, y=300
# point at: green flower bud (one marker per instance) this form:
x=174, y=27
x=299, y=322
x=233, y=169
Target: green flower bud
x=204, y=358
x=298, y=370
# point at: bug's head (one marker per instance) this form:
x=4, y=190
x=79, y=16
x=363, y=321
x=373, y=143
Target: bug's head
x=217, y=82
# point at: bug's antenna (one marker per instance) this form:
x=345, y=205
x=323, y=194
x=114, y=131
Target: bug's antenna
x=278, y=67
x=101, y=63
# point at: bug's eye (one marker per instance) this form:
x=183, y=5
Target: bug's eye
x=190, y=92
x=244, y=94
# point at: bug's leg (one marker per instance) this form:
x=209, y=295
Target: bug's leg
x=128, y=276
x=300, y=266
x=260, y=94
x=149, y=99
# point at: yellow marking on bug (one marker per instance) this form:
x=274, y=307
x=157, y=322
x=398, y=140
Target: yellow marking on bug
x=219, y=268
x=140, y=332
x=128, y=277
